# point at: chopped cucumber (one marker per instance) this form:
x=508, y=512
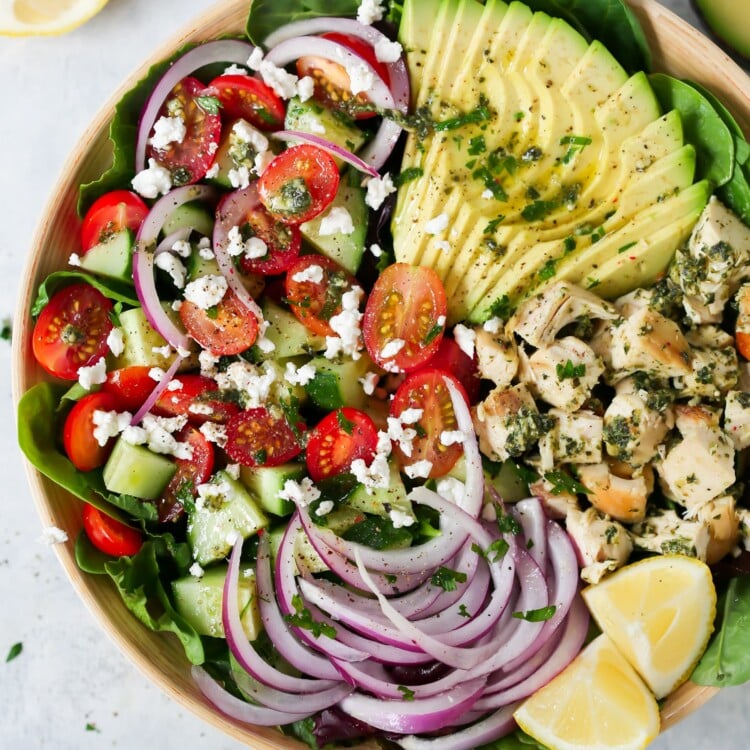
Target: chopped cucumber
x=311, y=117
x=336, y=384
x=266, y=482
x=338, y=521
x=290, y=337
x=113, y=257
x=137, y=471
x=189, y=216
x=382, y=500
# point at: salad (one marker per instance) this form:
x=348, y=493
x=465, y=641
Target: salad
x=368, y=357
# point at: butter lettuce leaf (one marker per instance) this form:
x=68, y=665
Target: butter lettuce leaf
x=110, y=288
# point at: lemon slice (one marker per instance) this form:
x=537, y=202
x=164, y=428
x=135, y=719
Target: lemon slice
x=39, y=17
x=598, y=702
x=660, y=613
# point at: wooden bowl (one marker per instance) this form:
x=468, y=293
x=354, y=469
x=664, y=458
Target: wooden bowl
x=678, y=49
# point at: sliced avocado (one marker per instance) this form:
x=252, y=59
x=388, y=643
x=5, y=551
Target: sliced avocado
x=345, y=249
x=729, y=20
x=189, y=216
x=113, y=257
x=199, y=601
x=333, y=125
x=417, y=21
x=266, y=482
x=137, y=471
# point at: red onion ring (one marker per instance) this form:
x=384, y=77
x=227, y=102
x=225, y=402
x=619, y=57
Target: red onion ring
x=159, y=388
x=223, y=50
x=297, y=136
x=167, y=243
x=530, y=514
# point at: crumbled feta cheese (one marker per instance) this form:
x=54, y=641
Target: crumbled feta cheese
x=283, y=83
x=262, y=342
x=419, y=469
x=305, y=89
x=203, y=243
x=214, y=494
x=262, y=160
x=176, y=305
x=173, y=266
x=174, y=385
x=443, y=245
x=488, y=194
x=134, y=435
x=156, y=433
x=207, y=362
x=337, y=221
x=52, y=535
x=255, y=59
x=109, y=424
x=253, y=383
x=183, y=352
x=437, y=224
x=182, y=248
x=239, y=178
x=196, y=571
x=324, y=508
x=368, y=382
x=235, y=70
x=410, y=416
x=213, y=147
x=387, y=51
x=403, y=437
x=168, y=130
x=206, y=253
x=157, y=374
x=162, y=351
x=213, y=171
x=376, y=250
x=300, y=493
x=493, y=325
x=152, y=181
x=214, y=433
x=207, y=291
x=378, y=189
x=361, y=77
x=370, y=11
x=116, y=341
x=399, y=518
x=392, y=348
x=312, y=273
x=93, y=375
x=347, y=327
x=451, y=437
x=451, y=489
x=375, y=476
x=246, y=133
x=299, y=375
x=74, y=259
x=465, y=338
x=200, y=408
x=252, y=247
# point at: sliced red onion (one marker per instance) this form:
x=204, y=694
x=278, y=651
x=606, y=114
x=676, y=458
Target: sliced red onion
x=180, y=235
x=297, y=136
x=143, y=261
x=379, y=149
x=413, y=716
x=221, y=51
x=159, y=388
x=397, y=71
x=230, y=213
x=247, y=657
x=239, y=709
x=530, y=514
x=466, y=562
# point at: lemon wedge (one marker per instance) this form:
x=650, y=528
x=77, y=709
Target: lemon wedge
x=659, y=612
x=41, y=17
x=598, y=702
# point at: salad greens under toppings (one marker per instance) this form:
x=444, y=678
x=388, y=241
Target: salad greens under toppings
x=276, y=431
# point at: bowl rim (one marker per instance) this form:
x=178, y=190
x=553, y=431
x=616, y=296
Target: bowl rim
x=658, y=22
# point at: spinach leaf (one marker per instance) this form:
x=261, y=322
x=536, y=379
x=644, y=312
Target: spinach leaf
x=110, y=288
x=610, y=21
x=88, y=558
x=726, y=661
x=137, y=579
x=268, y=15
x=133, y=506
x=703, y=127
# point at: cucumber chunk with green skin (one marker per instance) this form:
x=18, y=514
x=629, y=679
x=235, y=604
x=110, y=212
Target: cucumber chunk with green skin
x=198, y=266
x=137, y=471
x=199, y=601
x=336, y=384
x=337, y=521
x=189, y=216
x=290, y=337
x=112, y=258
x=234, y=153
x=266, y=482
x=346, y=249
x=382, y=500
x=215, y=519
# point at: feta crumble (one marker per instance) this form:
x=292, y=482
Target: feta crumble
x=251, y=248
x=74, y=260
x=361, y=78
x=152, y=181
x=378, y=189
x=337, y=221
x=168, y=130
x=400, y=518
x=370, y=11
x=157, y=374
x=465, y=338
x=305, y=89
x=173, y=266
x=213, y=171
x=451, y=437
x=392, y=348
x=52, y=535
x=324, y=508
x=419, y=469
x=109, y=424
x=92, y=375
x=347, y=327
x=235, y=70
x=284, y=84
x=443, y=245
x=196, y=571
x=299, y=375
x=239, y=178
x=368, y=382
x=116, y=341
x=300, y=493
x=376, y=250
x=437, y=224
x=255, y=59
x=182, y=248
x=387, y=51
x=214, y=433
x=246, y=133
x=312, y=273
x=207, y=291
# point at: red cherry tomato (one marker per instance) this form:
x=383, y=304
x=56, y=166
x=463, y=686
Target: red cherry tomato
x=407, y=304
x=283, y=243
x=199, y=399
x=132, y=385
x=110, y=213
x=109, y=535
x=426, y=390
x=261, y=437
x=71, y=331
x=316, y=302
x=228, y=328
x=242, y=96
x=451, y=358
x=190, y=473
x=338, y=439
x=332, y=85
x=298, y=184
x=79, y=442
x=189, y=160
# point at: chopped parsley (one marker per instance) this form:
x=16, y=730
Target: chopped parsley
x=304, y=619
x=481, y=113
x=345, y=424
x=570, y=371
x=496, y=551
x=15, y=651
x=463, y=611
x=501, y=308
x=210, y=104
x=447, y=579
x=408, y=174
x=562, y=482
x=432, y=334
x=538, y=210
x=492, y=224
x=508, y=524
x=547, y=271
x=406, y=692
x=627, y=247
x=536, y=615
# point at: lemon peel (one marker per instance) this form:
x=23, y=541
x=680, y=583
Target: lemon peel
x=46, y=17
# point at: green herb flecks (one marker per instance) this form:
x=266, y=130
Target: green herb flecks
x=407, y=175
x=15, y=651
x=562, y=482
x=209, y=104
x=406, y=692
x=569, y=371
x=536, y=615
x=447, y=579
x=304, y=619
x=345, y=424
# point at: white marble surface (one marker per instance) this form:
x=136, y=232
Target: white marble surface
x=71, y=689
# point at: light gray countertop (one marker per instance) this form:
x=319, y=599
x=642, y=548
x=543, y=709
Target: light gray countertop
x=70, y=688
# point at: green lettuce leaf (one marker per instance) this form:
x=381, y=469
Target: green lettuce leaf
x=110, y=288
x=88, y=558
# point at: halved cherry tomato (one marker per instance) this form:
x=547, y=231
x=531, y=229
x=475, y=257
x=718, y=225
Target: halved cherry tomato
x=261, y=437
x=81, y=447
x=338, y=439
x=283, y=243
x=71, y=331
x=451, y=358
x=189, y=160
x=111, y=212
x=332, y=84
x=199, y=399
x=298, y=184
x=245, y=97
x=190, y=473
x=316, y=302
x=228, y=328
x=426, y=390
x=109, y=535
x=132, y=385
x=407, y=304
